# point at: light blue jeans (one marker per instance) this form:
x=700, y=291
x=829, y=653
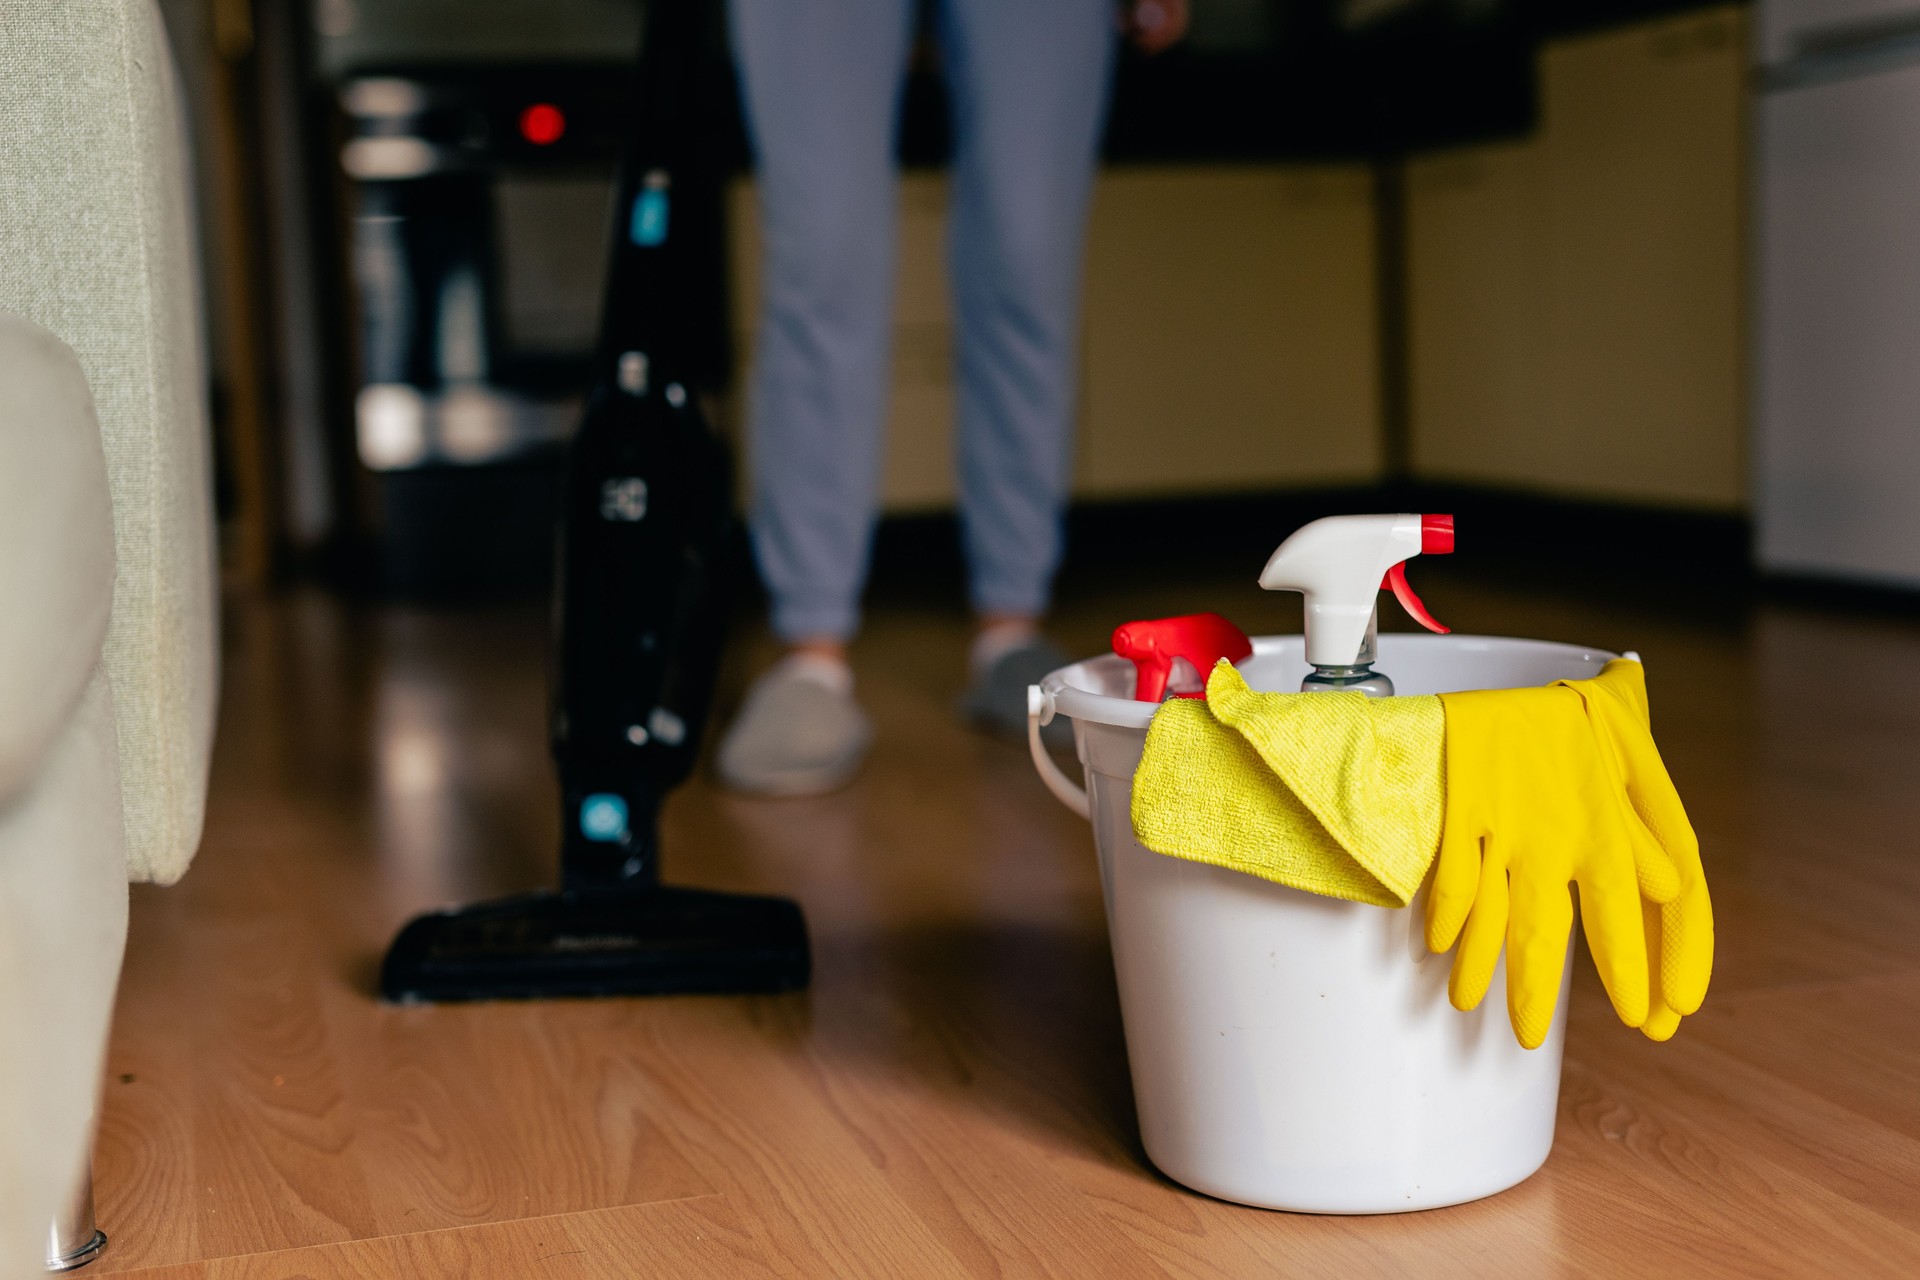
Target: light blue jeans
x=821, y=83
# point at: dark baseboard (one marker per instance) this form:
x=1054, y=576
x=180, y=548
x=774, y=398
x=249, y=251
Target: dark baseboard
x=1562, y=544
x=1515, y=528
x=1842, y=596
x=1148, y=536
x=1500, y=532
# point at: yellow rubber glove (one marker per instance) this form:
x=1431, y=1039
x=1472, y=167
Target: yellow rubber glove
x=1535, y=804
x=1679, y=932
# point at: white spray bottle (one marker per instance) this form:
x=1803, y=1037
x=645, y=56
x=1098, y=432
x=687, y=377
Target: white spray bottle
x=1341, y=564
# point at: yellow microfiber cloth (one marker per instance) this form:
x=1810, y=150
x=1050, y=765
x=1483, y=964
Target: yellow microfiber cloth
x=1335, y=793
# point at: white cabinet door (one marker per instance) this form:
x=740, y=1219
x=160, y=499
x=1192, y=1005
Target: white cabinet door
x=1838, y=362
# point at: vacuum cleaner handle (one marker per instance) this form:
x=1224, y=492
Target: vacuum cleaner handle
x=666, y=278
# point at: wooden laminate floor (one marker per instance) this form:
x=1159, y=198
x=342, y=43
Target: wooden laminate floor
x=951, y=1097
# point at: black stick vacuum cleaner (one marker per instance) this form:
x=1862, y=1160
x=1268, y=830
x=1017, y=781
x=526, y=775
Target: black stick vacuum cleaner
x=640, y=618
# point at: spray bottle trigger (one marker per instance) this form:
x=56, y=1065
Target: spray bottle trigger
x=1396, y=582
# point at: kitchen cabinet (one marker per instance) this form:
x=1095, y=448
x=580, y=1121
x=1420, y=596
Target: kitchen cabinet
x=1577, y=299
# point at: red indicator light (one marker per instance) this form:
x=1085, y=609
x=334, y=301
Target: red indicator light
x=542, y=124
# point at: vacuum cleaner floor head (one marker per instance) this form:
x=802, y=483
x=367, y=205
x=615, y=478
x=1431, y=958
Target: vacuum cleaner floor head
x=656, y=941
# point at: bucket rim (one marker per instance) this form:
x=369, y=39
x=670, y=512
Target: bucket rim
x=1066, y=691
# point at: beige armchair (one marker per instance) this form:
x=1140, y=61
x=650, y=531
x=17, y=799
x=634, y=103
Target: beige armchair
x=107, y=583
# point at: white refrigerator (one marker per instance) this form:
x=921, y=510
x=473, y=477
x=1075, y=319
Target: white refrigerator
x=1837, y=323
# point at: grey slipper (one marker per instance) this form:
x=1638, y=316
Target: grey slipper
x=997, y=699
x=796, y=735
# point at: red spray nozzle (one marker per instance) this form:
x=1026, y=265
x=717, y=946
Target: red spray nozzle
x=1152, y=645
x=1436, y=535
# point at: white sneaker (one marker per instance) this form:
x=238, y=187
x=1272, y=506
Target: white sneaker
x=799, y=732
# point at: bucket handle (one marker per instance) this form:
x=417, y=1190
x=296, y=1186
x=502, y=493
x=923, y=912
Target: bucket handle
x=1040, y=711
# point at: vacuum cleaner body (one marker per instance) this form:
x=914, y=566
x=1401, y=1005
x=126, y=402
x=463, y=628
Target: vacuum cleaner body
x=640, y=618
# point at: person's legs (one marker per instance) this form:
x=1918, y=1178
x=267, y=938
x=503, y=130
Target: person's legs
x=1029, y=84
x=820, y=82
x=820, y=85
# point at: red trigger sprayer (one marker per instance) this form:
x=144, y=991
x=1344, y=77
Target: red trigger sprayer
x=1341, y=564
x=1202, y=639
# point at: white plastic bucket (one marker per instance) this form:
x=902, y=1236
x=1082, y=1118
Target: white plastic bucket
x=1293, y=1051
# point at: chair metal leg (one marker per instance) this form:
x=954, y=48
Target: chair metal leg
x=74, y=1239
